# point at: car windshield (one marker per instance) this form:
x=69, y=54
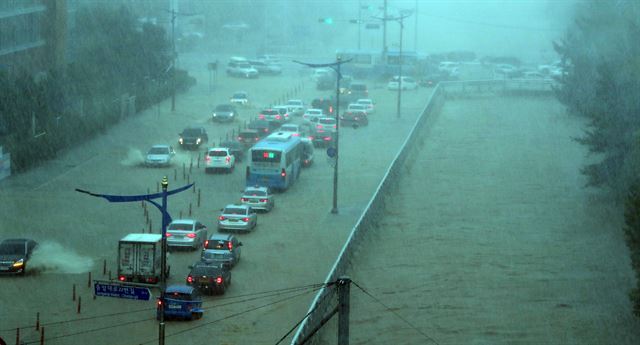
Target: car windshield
x=235, y=210
x=255, y=193
x=204, y=270
x=158, y=151
x=270, y=112
x=217, y=153
x=357, y=106
x=219, y=245
x=314, y=112
x=239, y=96
x=179, y=296
x=225, y=107
x=191, y=132
x=12, y=248
x=180, y=226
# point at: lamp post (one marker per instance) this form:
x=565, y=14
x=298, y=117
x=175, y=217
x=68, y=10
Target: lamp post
x=336, y=67
x=400, y=19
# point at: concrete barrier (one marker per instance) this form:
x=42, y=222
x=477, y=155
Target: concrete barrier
x=326, y=299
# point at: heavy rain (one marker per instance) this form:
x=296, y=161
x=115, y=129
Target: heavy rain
x=319, y=171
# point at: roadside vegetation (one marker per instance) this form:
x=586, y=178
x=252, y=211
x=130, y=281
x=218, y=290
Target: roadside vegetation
x=112, y=59
x=601, y=59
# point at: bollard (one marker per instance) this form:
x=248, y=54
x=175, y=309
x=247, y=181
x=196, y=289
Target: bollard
x=18, y=336
x=194, y=187
x=79, y=303
x=175, y=174
x=180, y=214
x=184, y=171
x=42, y=336
x=150, y=227
x=73, y=292
x=148, y=191
x=37, y=321
x=89, y=280
x=191, y=166
x=198, y=197
x=198, y=166
x=190, y=209
x=104, y=267
x=188, y=178
x=157, y=187
x=109, y=274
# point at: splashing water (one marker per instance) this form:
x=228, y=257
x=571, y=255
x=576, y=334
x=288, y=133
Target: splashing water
x=52, y=257
x=134, y=157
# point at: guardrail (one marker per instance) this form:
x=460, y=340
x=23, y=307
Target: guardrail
x=325, y=300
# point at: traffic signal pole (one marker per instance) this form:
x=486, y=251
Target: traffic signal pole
x=344, y=287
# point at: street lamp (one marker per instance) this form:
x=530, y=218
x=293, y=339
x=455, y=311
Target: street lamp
x=400, y=20
x=336, y=67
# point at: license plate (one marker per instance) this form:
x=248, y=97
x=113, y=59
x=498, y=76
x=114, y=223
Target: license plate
x=233, y=220
x=4, y=268
x=174, y=306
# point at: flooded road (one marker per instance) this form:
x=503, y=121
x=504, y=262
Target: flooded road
x=491, y=238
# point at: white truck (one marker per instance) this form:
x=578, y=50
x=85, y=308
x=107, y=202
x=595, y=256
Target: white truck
x=140, y=258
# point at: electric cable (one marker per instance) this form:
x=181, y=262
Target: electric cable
x=395, y=313
x=270, y=292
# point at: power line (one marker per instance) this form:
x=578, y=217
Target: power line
x=501, y=26
x=234, y=315
x=269, y=293
x=396, y=314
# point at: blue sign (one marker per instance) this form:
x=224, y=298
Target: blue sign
x=121, y=291
x=331, y=152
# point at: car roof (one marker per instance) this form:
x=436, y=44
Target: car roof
x=236, y=206
x=261, y=188
x=314, y=109
x=183, y=221
x=16, y=240
x=180, y=289
x=218, y=149
x=161, y=146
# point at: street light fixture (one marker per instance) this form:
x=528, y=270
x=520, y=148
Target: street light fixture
x=336, y=67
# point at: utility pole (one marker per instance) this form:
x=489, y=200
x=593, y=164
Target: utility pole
x=384, y=33
x=344, y=285
x=163, y=264
x=415, y=32
x=173, y=58
x=359, y=22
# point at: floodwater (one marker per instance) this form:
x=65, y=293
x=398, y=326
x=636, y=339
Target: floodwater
x=491, y=238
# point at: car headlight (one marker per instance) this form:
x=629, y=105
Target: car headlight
x=214, y=114
x=198, y=141
x=180, y=140
x=19, y=263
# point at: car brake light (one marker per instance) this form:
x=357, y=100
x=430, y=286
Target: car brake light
x=228, y=159
x=207, y=158
x=283, y=173
x=191, y=235
x=331, y=109
x=245, y=219
x=261, y=117
x=296, y=134
x=189, y=279
x=219, y=280
x=327, y=138
x=122, y=278
x=263, y=200
x=278, y=117
x=222, y=218
x=319, y=126
x=230, y=245
x=335, y=126
x=159, y=302
x=244, y=199
x=206, y=243
x=169, y=235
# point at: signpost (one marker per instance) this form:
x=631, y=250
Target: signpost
x=110, y=289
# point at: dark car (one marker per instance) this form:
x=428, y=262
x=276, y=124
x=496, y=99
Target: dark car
x=222, y=249
x=14, y=254
x=180, y=302
x=248, y=137
x=354, y=118
x=323, y=103
x=209, y=278
x=358, y=91
x=321, y=138
x=236, y=148
x=193, y=137
x=326, y=82
x=263, y=127
x=224, y=113
x=431, y=80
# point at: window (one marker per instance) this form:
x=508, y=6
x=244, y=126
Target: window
x=180, y=226
x=217, y=153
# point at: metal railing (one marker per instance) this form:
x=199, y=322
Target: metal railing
x=326, y=300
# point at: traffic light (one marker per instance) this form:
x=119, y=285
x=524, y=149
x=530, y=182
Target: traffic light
x=328, y=20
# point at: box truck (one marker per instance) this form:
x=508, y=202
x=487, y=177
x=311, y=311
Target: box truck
x=140, y=258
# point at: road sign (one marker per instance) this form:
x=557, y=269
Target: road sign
x=109, y=289
x=331, y=151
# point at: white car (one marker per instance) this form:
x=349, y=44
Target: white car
x=357, y=107
x=240, y=67
x=408, y=83
x=240, y=97
x=297, y=105
x=311, y=114
x=368, y=103
x=284, y=112
x=219, y=158
x=186, y=233
x=296, y=130
x=159, y=155
x=326, y=124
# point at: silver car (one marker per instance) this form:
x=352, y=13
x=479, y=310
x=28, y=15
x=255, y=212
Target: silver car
x=223, y=249
x=259, y=198
x=188, y=233
x=159, y=155
x=237, y=217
